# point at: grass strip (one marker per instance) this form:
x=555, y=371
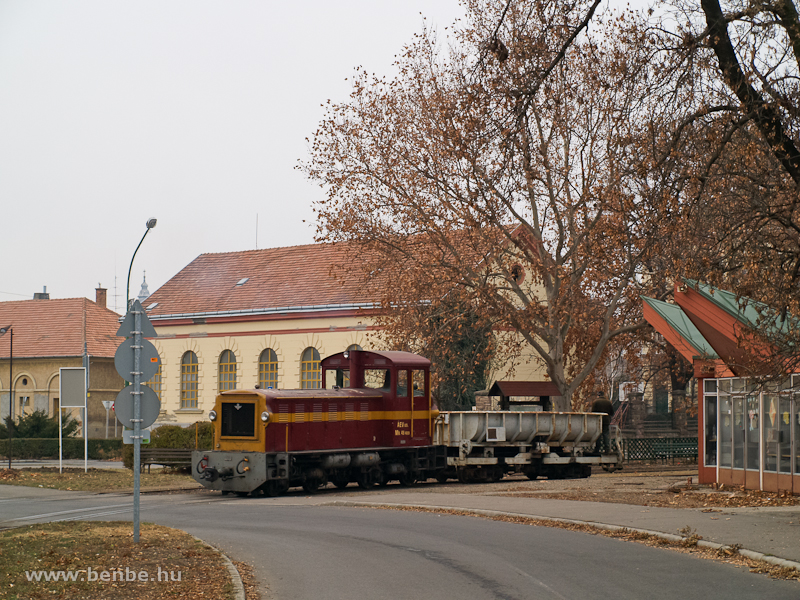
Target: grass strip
x=102, y=562
x=95, y=480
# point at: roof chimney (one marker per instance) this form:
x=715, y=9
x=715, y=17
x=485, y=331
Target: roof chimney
x=43, y=295
x=100, y=295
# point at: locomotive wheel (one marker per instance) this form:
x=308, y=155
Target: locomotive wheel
x=463, y=476
x=365, y=481
x=275, y=488
x=340, y=481
x=441, y=477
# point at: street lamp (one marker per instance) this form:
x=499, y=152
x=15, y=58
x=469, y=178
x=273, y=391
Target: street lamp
x=3, y=330
x=150, y=224
x=137, y=406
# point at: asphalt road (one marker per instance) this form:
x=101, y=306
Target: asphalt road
x=302, y=551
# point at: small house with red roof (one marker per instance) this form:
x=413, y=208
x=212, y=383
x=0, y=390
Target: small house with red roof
x=50, y=334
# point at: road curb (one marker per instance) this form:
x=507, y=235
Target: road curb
x=751, y=554
x=236, y=579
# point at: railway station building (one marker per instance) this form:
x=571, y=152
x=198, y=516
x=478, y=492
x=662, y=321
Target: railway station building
x=748, y=417
x=266, y=317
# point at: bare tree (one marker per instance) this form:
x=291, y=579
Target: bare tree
x=508, y=170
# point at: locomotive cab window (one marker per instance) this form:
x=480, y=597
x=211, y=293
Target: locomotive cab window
x=418, y=382
x=402, y=384
x=238, y=419
x=337, y=377
x=378, y=379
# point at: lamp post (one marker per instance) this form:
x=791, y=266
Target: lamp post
x=150, y=224
x=137, y=388
x=10, y=331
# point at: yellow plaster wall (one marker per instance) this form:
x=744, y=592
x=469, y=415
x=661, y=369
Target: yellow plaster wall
x=288, y=338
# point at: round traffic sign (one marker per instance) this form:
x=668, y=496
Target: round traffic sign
x=148, y=361
x=150, y=406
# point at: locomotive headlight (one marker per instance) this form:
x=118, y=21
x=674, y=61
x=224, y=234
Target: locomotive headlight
x=265, y=416
x=212, y=414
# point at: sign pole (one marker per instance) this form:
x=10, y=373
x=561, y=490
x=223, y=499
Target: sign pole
x=137, y=418
x=137, y=405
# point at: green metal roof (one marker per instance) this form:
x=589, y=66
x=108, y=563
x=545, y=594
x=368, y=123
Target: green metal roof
x=677, y=319
x=756, y=315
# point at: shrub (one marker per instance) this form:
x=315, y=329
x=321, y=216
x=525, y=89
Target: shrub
x=175, y=436
x=37, y=425
x=47, y=448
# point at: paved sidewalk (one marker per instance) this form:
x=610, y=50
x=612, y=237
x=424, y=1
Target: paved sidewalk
x=773, y=531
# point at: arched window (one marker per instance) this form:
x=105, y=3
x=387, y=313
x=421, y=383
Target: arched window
x=155, y=383
x=189, y=380
x=354, y=347
x=310, y=374
x=227, y=371
x=268, y=369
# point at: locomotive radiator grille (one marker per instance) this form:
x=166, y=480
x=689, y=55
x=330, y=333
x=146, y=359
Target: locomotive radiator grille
x=283, y=413
x=364, y=414
x=316, y=415
x=349, y=412
x=299, y=413
x=333, y=413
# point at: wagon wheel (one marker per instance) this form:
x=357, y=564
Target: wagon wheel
x=408, y=478
x=441, y=477
x=464, y=476
x=311, y=485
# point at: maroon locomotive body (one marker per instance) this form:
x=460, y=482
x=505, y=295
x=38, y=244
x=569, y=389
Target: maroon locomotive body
x=371, y=421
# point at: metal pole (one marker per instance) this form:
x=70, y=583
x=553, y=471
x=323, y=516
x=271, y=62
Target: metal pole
x=86, y=409
x=106, y=423
x=60, y=441
x=10, y=392
x=137, y=418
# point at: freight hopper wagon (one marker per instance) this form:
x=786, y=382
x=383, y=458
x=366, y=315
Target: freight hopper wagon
x=371, y=422
x=483, y=446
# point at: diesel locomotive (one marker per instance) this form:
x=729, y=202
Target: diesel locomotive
x=372, y=421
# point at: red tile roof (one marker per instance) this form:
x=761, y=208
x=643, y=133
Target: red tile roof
x=58, y=327
x=296, y=276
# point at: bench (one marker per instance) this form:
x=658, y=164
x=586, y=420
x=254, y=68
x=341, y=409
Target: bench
x=166, y=457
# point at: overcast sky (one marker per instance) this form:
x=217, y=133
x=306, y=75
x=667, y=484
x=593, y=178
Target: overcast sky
x=192, y=112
